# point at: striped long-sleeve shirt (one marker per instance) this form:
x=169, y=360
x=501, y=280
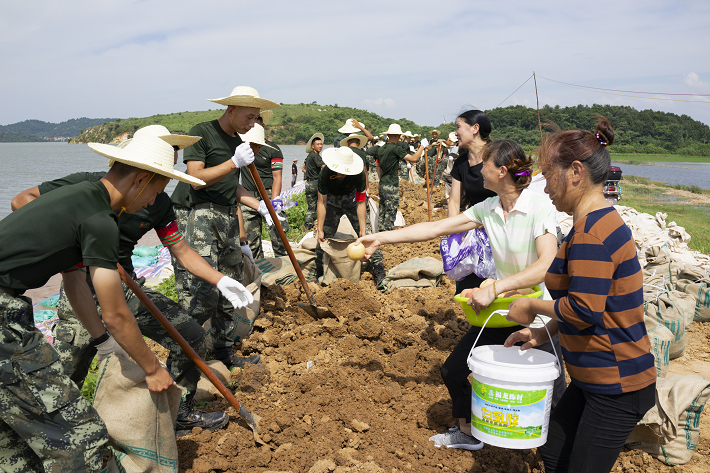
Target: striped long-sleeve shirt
x=596, y=281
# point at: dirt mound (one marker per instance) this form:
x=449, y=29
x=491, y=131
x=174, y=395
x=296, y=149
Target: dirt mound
x=362, y=392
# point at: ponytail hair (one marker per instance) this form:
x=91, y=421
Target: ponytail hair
x=511, y=155
x=477, y=117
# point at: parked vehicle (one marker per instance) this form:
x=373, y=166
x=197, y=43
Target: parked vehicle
x=612, y=188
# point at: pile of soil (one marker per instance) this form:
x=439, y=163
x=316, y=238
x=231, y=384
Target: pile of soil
x=362, y=392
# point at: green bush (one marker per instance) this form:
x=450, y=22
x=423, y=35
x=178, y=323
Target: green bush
x=167, y=288
x=296, y=220
x=89, y=386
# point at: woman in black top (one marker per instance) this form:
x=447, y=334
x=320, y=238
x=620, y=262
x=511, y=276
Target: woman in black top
x=472, y=129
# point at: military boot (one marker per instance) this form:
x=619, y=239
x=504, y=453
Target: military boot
x=230, y=360
x=188, y=418
x=379, y=274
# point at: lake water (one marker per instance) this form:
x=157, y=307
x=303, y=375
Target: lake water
x=673, y=173
x=25, y=165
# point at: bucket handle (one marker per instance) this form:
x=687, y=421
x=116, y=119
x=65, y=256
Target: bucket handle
x=504, y=312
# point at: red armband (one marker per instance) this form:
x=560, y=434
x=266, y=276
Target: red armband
x=277, y=164
x=169, y=234
x=78, y=267
x=360, y=196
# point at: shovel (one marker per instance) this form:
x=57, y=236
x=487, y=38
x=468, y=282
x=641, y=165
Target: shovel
x=311, y=309
x=172, y=331
x=428, y=194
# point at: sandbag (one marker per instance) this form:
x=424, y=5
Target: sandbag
x=661, y=339
x=279, y=271
x=696, y=282
x=244, y=318
x=415, y=273
x=671, y=429
x=141, y=424
x=336, y=263
x=673, y=321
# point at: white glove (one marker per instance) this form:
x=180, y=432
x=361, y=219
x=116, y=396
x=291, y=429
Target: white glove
x=247, y=251
x=243, y=155
x=235, y=293
x=106, y=348
x=264, y=211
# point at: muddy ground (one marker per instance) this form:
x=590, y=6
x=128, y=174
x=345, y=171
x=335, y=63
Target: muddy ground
x=362, y=392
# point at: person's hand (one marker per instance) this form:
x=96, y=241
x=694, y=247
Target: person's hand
x=530, y=337
x=264, y=211
x=356, y=124
x=247, y=251
x=482, y=298
x=106, y=348
x=520, y=311
x=234, y=292
x=159, y=381
x=243, y=155
x=321, y=236
x=370, y=242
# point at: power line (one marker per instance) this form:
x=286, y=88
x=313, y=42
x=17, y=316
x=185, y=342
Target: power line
x=515, y=90
x=628, y=91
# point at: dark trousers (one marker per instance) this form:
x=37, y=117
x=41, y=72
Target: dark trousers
x=455, y=369
x=587, y=430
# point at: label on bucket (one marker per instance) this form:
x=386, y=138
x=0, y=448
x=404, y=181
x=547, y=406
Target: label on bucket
x=508, y=413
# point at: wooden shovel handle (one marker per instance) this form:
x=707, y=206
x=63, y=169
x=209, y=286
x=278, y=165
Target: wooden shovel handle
x=428, y=194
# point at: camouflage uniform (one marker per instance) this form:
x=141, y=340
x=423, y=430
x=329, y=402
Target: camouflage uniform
x=252, y=227
x=42, y=412
x=403, y=169
x=312, y=200
x=73, y=342
x=338, y=205
x=389, y=202
x=182, y=276
x=213, y=232
x=435, y=173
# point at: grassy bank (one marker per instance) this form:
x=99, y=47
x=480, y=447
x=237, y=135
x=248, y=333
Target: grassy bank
x=688, y=206
x=649, y=159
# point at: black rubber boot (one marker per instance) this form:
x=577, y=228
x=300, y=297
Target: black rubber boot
x=379, y=274
x=188, y=418
x=230, y=360
x=169, y=362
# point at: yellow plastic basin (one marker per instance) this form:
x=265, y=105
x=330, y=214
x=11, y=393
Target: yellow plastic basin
x=498, y=320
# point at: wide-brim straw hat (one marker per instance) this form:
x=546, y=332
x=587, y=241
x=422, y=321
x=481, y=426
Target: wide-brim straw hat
x=266, y=116
x=362, y=138
x=408, y=133
x=181, y=141
x=452, y=137
x=149, y=153
x=256, y=136
x=348, y=128
x=380, y=143
x=244, y=96
x=315, y=135
x=435, y=131
x=394, y=129
x=342, y=160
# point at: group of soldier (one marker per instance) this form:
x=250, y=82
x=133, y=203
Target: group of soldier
x=86, y=225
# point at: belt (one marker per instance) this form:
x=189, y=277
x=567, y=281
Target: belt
x=9, y=291
x=225, y=209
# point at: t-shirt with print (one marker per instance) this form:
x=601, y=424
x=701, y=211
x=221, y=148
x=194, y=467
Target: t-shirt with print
x=314, y=162
x=513, y=239
x=329, y=184
x=55, y=232
x=213, y=149
x=389, y=156
x=132, y=226
x=266, y=161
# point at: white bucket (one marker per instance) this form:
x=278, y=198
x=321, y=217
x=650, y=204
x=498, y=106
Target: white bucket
x=511, y=395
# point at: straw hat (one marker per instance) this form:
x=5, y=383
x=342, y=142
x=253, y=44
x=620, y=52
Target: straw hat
x=266, y=116
x=343, y=161
x=380, y=143
x=181, y=141
x=435, y=131
x=452, y=137
x=408, y=133
x=315, y=135
x=362, y=138
x=394, y=129
x=149, y=153
x=246, y=97
x=256, y=136
x=348, y=128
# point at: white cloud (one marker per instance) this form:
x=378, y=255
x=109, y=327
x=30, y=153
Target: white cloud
x=693, y=80
x=380, y=101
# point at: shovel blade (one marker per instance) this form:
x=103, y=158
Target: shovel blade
x=316, y=312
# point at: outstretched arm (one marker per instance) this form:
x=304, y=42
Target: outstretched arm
x=24, y=198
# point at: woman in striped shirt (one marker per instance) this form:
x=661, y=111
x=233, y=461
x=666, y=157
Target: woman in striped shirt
x=596, y=283
x=522, y=230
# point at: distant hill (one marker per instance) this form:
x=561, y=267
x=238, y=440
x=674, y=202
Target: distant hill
x=36, y=130
x=647, y=131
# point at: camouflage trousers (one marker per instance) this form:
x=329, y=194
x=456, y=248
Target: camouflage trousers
x=389, y=202
x=73, y=342
x=337, y=206
x=252, y=227
x=182, y=276
x=312, y=201
x=404, y=170
x=45, y=422
x=435, y=172
x=213, y=232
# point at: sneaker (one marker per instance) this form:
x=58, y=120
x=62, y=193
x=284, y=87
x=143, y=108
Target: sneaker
x=230, y=360
x=188, y=418
x=454, y=438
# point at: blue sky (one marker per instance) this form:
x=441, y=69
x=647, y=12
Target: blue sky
x=425, y=61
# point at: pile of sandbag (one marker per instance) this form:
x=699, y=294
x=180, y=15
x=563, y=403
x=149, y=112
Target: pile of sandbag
x=675, y=282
